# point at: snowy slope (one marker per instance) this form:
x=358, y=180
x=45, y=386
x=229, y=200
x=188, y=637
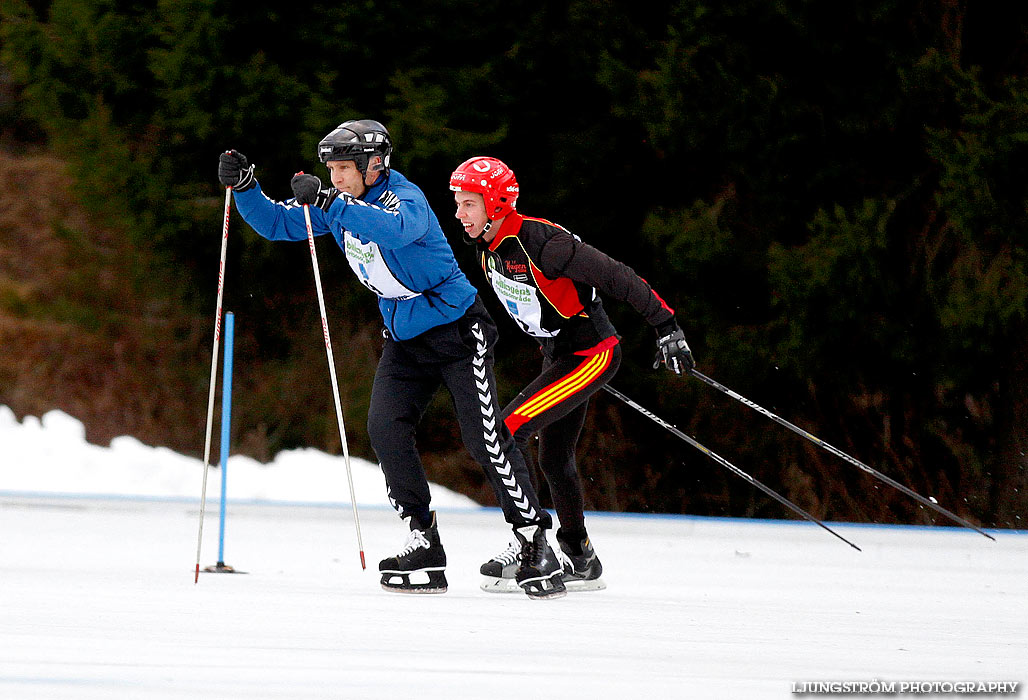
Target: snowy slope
x=51, y=455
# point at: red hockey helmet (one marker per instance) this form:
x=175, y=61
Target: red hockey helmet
x=491, y=178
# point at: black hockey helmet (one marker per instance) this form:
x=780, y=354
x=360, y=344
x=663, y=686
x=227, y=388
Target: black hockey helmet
x=358, y=140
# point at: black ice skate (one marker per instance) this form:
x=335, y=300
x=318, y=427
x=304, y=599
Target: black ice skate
x=422, y=558
x=582, y=568
x=500, y=571
x=539, y=574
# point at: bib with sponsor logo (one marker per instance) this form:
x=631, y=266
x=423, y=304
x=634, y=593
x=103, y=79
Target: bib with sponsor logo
x=519, y=298
x=371, y=269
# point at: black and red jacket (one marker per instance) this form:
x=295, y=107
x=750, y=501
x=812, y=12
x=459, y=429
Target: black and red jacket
x=547, y=279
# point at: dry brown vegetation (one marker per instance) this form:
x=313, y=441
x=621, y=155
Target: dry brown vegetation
x=78, y=331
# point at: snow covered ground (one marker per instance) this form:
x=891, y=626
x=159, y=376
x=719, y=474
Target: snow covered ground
x=97, y=600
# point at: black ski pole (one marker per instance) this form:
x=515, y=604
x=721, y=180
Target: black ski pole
x=838, y=453
x=728, y=465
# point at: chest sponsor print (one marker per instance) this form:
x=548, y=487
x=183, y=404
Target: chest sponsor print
x=521, y=300
x=366, y=261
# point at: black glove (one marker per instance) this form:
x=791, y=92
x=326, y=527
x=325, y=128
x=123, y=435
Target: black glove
x=672, y=350
x=307, y=190
x=234, y=171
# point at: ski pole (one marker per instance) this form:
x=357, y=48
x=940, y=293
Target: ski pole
x=728, y=465
x=214, y=376
x=332, y=372
x=838, y=453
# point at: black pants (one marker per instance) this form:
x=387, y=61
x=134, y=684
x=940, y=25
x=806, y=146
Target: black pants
x=460, y=356
x=554, y=404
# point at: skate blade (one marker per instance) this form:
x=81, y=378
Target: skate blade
x=544, y=588
x=509, y=585
x=499, y=585
x=551, y=594
x=423, y=590
x=580, y=585
x=400, y=582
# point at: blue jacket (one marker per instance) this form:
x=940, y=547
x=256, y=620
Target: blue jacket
x=393, y=242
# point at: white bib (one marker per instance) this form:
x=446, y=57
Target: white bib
x=521, y=302
x=366, y=262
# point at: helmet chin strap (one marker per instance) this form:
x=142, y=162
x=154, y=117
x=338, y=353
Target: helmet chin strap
x=477, y=241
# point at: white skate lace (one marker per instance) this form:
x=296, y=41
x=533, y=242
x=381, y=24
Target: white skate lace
x=416, y=540
x=510, y=554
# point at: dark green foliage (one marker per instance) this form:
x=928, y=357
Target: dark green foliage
x=834, y=196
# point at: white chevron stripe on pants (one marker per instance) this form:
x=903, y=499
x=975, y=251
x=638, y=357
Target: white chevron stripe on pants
x=491, y=431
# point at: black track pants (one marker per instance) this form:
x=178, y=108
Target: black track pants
x=555, y=405
x=458, y=355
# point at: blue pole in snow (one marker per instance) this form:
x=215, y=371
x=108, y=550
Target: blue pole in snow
x=226, y=420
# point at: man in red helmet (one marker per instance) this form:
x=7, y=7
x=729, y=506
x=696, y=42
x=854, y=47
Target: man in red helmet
x=547, y=280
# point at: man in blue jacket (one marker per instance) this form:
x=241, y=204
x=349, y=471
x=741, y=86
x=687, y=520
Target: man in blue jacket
x=437, y=331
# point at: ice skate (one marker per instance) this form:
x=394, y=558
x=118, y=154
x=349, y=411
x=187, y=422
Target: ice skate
x=499, y=572
x=582, y=568
x=418, y=568
x=539, y=573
